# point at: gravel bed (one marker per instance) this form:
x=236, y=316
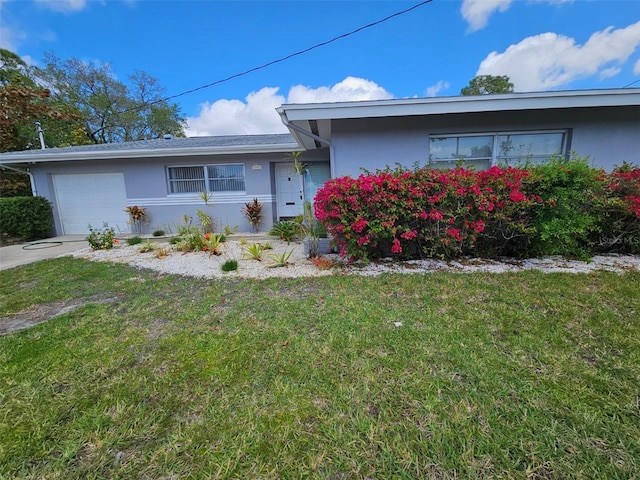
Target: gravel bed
x=203, y=265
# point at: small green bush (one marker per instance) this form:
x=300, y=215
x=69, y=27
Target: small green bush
x=567, y=218
x=147, y=246
x=230, y=266
x=158, y=233
x=134, y=240
x=26, y=217
x=101, y=239
x=285, y=230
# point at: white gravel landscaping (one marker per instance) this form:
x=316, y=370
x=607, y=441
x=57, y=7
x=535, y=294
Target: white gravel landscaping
x=203, y=265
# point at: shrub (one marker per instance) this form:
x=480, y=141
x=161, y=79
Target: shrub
x=134, y=240
x=230, y=230
x=137, y=215
x=253, y=211
x=426, y=212
x=566, y=219
x=230, y=266
x=323, y=263
x=619, y=228
x=560, y=208
x=26, y=217
x=206, y=221
x=147, y=247
x=285, y=230
x=158, y=233
x=101, y=239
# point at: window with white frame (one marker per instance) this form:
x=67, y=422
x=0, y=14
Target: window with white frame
x=228, y=178
x=481, y=151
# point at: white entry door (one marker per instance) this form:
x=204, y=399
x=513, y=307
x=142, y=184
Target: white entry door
x=288, y=191
x=91, y=199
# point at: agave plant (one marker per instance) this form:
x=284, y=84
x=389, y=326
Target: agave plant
x=280, y=259
x=285, y=230
x=253, y=251
x=212, y=243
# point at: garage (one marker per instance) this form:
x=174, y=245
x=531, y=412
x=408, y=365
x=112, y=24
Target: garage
x=91, y=199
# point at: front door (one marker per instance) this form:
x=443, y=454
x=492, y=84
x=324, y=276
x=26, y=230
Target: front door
x=288, y=191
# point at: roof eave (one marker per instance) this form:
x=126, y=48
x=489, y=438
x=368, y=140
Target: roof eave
x=461, y=104
x=53, y=156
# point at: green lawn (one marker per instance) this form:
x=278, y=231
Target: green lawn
x=525, y=375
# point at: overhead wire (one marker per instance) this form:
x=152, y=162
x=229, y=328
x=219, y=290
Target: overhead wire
x=287, y=57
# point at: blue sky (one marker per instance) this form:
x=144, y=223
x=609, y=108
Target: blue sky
x=432, y=51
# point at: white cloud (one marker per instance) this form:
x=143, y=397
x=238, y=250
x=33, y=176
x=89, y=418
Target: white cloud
x=64, y=6
x=610, y=72
x=48, y=35
x=256, y=114
x=235, y=117
x=477, y=12
x=549, y=60
x=552, y=2
x=636, y=68
x=10, y=38
x=433, y=90
x=349, y=89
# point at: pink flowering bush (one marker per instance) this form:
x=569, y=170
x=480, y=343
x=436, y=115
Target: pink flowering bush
x=498, y=212
x=620, y=225
x=427, y=212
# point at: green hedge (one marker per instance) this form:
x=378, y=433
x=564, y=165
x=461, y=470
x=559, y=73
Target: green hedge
x=26, y=217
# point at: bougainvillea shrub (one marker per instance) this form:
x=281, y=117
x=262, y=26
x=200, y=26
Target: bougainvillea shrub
x=620, y=218
x=557, y=208
x=427, y=212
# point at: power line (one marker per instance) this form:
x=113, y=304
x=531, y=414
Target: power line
x=632, y=83
x=288, y=57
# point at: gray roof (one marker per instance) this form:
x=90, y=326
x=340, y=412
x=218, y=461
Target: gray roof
x=172, y=146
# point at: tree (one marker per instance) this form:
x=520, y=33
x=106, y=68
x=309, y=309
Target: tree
x=488, y=85
x=24, y=101
x=112, y=110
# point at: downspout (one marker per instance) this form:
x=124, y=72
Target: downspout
x=312, y=135
x=34, y=191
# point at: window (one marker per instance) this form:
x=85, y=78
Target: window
x=226, y=178
x=315, y=176
x=482, y=151
x=186, y=179
x=531, y=147
x=472, y=151
x=212, y=178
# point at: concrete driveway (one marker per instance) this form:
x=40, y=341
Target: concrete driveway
x=24, y=253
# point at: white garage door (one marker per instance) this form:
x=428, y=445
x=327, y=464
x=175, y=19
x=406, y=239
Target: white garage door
x=91, y=199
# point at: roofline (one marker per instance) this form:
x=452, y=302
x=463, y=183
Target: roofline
x=50, y=155
x=460, y=104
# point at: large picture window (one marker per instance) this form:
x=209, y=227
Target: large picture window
x=228, y=178
x=481, y=151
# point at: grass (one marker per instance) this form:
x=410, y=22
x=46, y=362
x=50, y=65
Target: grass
x=525, y=375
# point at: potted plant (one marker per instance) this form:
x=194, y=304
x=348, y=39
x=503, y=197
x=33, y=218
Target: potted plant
x=316, y=241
